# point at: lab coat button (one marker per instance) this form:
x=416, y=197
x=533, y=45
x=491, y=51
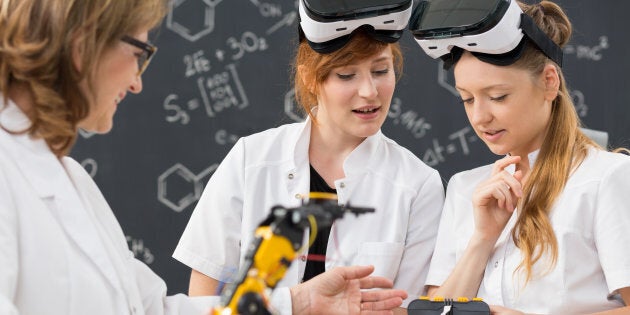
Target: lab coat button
x=342, y=185
x=298, y=196
x=290, y=176
x=303, y=258
x=496, y=264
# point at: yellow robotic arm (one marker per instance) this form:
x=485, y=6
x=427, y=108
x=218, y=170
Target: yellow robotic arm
x=277, y=242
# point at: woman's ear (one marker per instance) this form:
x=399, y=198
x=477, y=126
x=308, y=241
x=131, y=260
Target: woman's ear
x=77, y=50
x=551, y=81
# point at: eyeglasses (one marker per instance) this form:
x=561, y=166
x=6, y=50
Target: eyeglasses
x=144, y=58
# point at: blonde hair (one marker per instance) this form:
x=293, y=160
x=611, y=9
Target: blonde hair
x=36, y=44
x=563, y=149
x=319, y=66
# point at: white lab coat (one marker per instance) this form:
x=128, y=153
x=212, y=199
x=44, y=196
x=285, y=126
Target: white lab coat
x=272, y=168
x=591, y=221
x=62, y=251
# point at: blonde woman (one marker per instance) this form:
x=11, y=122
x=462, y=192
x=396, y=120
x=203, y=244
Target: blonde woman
x=65, y=65
x=545, y=229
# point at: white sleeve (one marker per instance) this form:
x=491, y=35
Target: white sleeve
x=612, y=226
x=210, y=243
x=155, y=301
x=8, y=248
x=281, y=301
x=443, y=261
x=420, y=240
x=153, y=293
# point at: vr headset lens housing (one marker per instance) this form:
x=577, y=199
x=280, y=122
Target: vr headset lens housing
x=495, y=31
x=328, y=25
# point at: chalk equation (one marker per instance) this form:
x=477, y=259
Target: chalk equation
x=178, y=187
x=196, y=63
x=458, y=141
x=248, y=42
x=410, y=120
x=223, y=137
x=217, y=92
x=141, y=252
x=593, y=53
x=267, y=9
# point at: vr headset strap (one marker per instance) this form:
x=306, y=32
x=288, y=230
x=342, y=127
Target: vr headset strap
x=540, y=39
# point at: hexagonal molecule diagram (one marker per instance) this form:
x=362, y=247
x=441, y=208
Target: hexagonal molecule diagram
x=178, y=187
x=192, y=19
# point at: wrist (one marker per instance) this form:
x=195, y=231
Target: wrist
x=481, y=247
x=300, y=300
x=483, y=240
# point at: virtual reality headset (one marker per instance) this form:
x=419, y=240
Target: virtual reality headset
x=327, y=25
x=495, y=31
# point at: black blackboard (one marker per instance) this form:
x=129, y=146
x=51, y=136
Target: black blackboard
x=221, y=72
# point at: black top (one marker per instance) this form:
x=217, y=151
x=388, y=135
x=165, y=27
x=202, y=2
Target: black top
x=317, y=266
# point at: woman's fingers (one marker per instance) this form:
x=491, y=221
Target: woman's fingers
x=513, y=182
x=501, y=192
x=381, y=300
x=501, y=164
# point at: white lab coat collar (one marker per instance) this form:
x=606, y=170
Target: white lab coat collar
x=32, y=155
x=301, y=142
x=49, y=176
x=531, y=157
x=363, y=156
x=361, y=159
x=354, y=163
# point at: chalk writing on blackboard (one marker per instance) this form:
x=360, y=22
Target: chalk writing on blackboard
x=457, y=142
x=192, y=19
x=217, y=92
x=140, y=251
x=179, y=188
x=223, y=137
x=196, y=63
x=580, y=104
x=268, y=9
x=593, y=53
x=287, y=20
x=90, y=166
x=248, y=42
x=408, y=119
x=86, y=134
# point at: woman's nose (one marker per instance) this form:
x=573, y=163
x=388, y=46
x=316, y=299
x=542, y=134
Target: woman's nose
x=136, y=85
x=480, y=114
x=367, y=89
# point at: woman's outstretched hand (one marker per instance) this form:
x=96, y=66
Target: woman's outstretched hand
x=340, y=291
